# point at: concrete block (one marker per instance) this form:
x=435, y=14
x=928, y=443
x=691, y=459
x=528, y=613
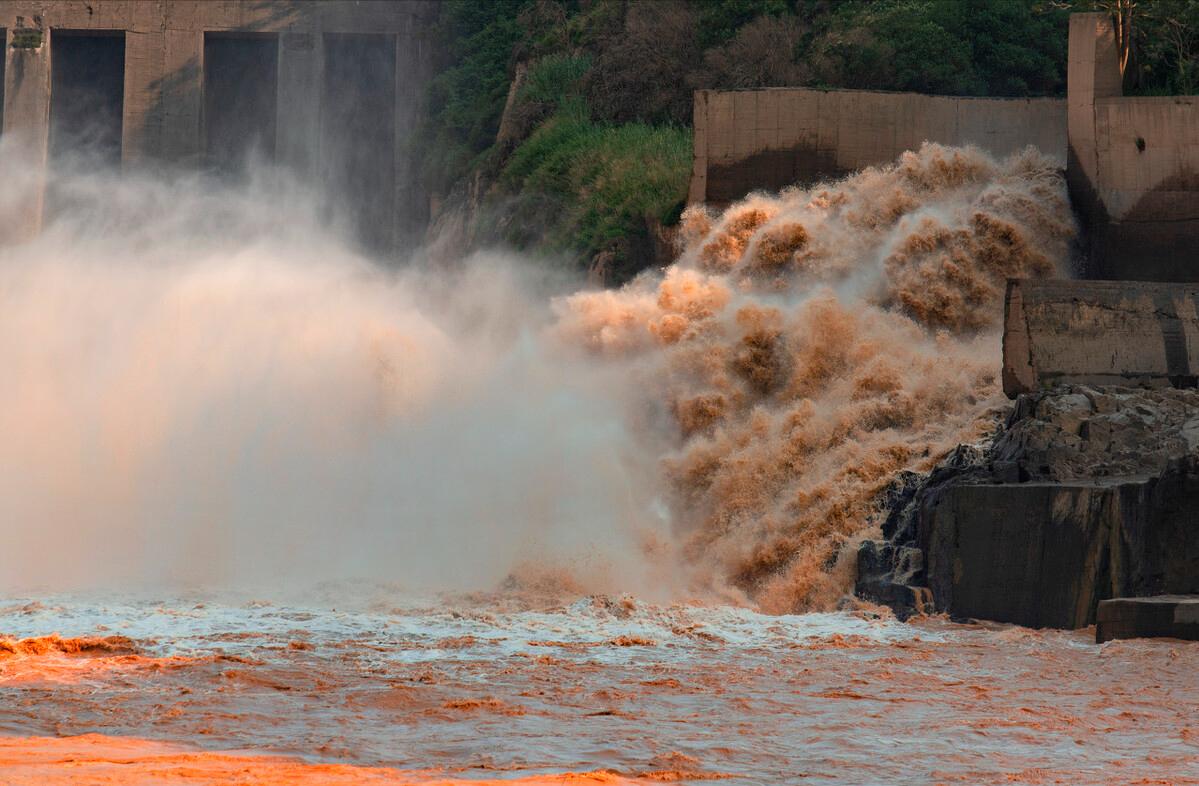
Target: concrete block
x=751, y=134
x=697, y=191
x=27, y=124
x=142, y=114
x=1167, y=616
x=180, y=92
x=766, y=128
x=1045, y=554
x=1099, y=332
x=721, y=126
x=297, y=140
x=745, y=121
x=1022, y=553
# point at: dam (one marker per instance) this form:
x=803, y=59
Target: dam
x=863, y=483
x=1130, y=161
x=330, y=90
x=167, y=87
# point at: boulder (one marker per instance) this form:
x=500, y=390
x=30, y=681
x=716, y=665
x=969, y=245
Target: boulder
x=1084, y=494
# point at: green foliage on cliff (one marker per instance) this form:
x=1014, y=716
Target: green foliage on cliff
x=554, y=77
x=1166, y=48
x=719, y=20
x=596, y=139
x=588, y=189
x=945, y=47
x=466, y=98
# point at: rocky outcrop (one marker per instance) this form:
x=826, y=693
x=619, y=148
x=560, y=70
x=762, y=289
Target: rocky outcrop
x=1084, y=494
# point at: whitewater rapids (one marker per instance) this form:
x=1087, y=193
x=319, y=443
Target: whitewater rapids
x=504, y=688
x=275, y=513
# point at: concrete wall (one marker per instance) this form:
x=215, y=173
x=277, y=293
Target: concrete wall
x=1046, y=554
x=1138, y=334
x=768, y=139
x=164, y=50
x=1133, y=166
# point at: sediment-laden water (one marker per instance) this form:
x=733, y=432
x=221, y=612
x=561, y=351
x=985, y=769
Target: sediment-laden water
x=565, y=534
x=506, y=687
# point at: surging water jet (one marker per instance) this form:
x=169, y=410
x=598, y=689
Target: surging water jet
x=203, y=386
x=206, y=387
x=809, y=346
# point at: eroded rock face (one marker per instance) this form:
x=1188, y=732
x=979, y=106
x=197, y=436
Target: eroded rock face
x=1085, y=493
x=1078, y=432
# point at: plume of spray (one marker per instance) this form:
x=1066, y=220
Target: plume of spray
x=205, y=385
x=805, y=347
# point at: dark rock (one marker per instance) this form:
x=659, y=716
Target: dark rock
x=892, y=575
x=1175, y=616
x=1084, y=494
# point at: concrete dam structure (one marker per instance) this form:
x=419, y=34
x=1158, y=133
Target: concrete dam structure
x=1131, y=162
x=1133, y=165
x=330, y=90
x=1089, y=491
x=747, y=140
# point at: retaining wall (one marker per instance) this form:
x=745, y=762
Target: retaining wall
x=1133, y=166
x=1138, y=334
x=768, y=139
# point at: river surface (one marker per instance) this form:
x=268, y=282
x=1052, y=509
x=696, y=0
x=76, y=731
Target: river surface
x=510, y=687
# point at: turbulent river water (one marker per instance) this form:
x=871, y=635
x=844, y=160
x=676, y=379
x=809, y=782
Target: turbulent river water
x=507, y=687
x=556, y=535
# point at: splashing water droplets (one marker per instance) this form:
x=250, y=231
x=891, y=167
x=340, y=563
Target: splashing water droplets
x=204, y=385
x=810, y=345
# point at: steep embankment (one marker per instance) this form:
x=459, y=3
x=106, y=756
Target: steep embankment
x=1085, y=493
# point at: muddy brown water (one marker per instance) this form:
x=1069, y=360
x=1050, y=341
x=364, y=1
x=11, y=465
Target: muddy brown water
x=492, y=688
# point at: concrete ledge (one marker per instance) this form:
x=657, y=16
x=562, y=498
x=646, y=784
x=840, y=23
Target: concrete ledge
x=1168, y=616
x=1099, y=333
x=1033, y=554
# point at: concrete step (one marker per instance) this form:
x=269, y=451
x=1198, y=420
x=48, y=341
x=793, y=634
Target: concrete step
x=1168, y=616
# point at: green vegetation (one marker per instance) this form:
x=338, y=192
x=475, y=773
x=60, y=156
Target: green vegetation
x=467, y=97
x=594, y=186
x=1165, y=41
x=946, y=47
x=596, y=143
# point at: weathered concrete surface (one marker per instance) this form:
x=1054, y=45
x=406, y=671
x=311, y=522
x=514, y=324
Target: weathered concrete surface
x=1171, y=616
x=1133, y=165
x=1086, y=493
x=164, y=54
x=769, y=139
x=162, y=113
x=1045, y=554
x=1099, y=333
x=27, y=127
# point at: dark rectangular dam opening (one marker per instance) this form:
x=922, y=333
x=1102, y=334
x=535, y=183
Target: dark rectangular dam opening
x=3, y=60
x=87, y=95
x=241, y=77
x=358, y=133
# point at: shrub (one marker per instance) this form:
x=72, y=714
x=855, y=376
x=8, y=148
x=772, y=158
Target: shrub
x=720, y=20
x=595, y=185
x=639, y=73
x=466, y=99
x=554, y=78
x=764, y=53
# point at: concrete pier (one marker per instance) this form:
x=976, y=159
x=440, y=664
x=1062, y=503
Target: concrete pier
x=212, y=83
x=1099, y=333
x=1166, y=616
